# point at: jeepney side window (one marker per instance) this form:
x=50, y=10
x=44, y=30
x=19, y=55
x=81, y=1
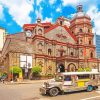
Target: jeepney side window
x=67, y=78
x=90, y=77
x=93, y=76
x=83, y=76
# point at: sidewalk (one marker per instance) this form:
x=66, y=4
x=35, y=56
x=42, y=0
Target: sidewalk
x=25, y=82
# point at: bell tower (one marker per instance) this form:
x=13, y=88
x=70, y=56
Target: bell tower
x=81, y=27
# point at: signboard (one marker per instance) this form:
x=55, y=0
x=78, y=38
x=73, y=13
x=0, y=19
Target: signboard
x=22, y=57
x=23, y=64
x=29, y=61
x=25, y=61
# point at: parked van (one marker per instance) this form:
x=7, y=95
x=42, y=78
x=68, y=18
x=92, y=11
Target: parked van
x=71, y=81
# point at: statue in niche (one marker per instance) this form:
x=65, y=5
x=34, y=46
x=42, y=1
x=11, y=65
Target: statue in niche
x=40, y=63
x=40, y=46
x=49, y=51
x=81, y=52
x=40, y=31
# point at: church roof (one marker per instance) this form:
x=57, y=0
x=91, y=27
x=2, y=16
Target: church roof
x=20, y=35
x=72, y=35
x=31, y=26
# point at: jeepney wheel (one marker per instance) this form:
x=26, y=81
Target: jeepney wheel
x=53, y=92
x=89, y=88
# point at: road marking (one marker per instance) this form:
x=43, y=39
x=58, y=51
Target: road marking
x=91, y=98
x=44, y=99
x=98, y=91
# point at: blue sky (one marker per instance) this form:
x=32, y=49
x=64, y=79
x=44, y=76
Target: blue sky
x=15, y=13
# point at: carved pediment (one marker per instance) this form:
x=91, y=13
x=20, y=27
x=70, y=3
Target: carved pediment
x=60, y=34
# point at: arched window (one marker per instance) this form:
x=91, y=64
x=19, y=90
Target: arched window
x=40, y=46
x=61, y=68
x=89, y=30
x=49, y=51
x=81, y=41
x=61, y=53
x=80, y=30
x=60, y=22
x=71, y=53
x=89, y=41
x=91, y=54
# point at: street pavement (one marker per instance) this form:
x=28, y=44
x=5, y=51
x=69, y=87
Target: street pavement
x=29, y=90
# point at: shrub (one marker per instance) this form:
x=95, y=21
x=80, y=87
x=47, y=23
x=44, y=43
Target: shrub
x=36, y=70
x=87, y=69
x=81, y=69
x=15, y=70
x=49, y=75
x=4, y=74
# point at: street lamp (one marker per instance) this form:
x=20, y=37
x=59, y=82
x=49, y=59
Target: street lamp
x=12, y=75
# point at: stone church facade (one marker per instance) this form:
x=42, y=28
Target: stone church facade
x=65, y=45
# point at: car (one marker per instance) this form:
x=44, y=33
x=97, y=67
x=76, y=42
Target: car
x=70, y=82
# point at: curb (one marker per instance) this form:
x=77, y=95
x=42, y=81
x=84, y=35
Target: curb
x=29, y=82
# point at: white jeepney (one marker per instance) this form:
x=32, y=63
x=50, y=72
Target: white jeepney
x=71, y=81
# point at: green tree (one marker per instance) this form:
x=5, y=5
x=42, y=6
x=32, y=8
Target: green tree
x=15, y=70
x=36, y=70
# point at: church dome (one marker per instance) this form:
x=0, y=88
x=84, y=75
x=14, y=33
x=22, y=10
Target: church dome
x=80, y=12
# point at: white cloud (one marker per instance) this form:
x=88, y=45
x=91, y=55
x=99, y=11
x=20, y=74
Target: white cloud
x=30, y=1
x=68, y=2
x=73, y=2
x=38, y=2
x=94, y=13
x=47, y=19
x=39, y=13
x=19, y=10
x=71, y=15
x=52, y=1
x=58, y=10
x=1, y=13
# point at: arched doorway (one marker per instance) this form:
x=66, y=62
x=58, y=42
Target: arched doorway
x=71, y=67
x=61, y=68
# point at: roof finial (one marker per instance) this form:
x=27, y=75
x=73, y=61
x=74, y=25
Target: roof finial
x=38, y=20
x=79, y=8
x=38, y=17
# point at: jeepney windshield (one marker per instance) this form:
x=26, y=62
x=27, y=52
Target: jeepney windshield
x=58, y=78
